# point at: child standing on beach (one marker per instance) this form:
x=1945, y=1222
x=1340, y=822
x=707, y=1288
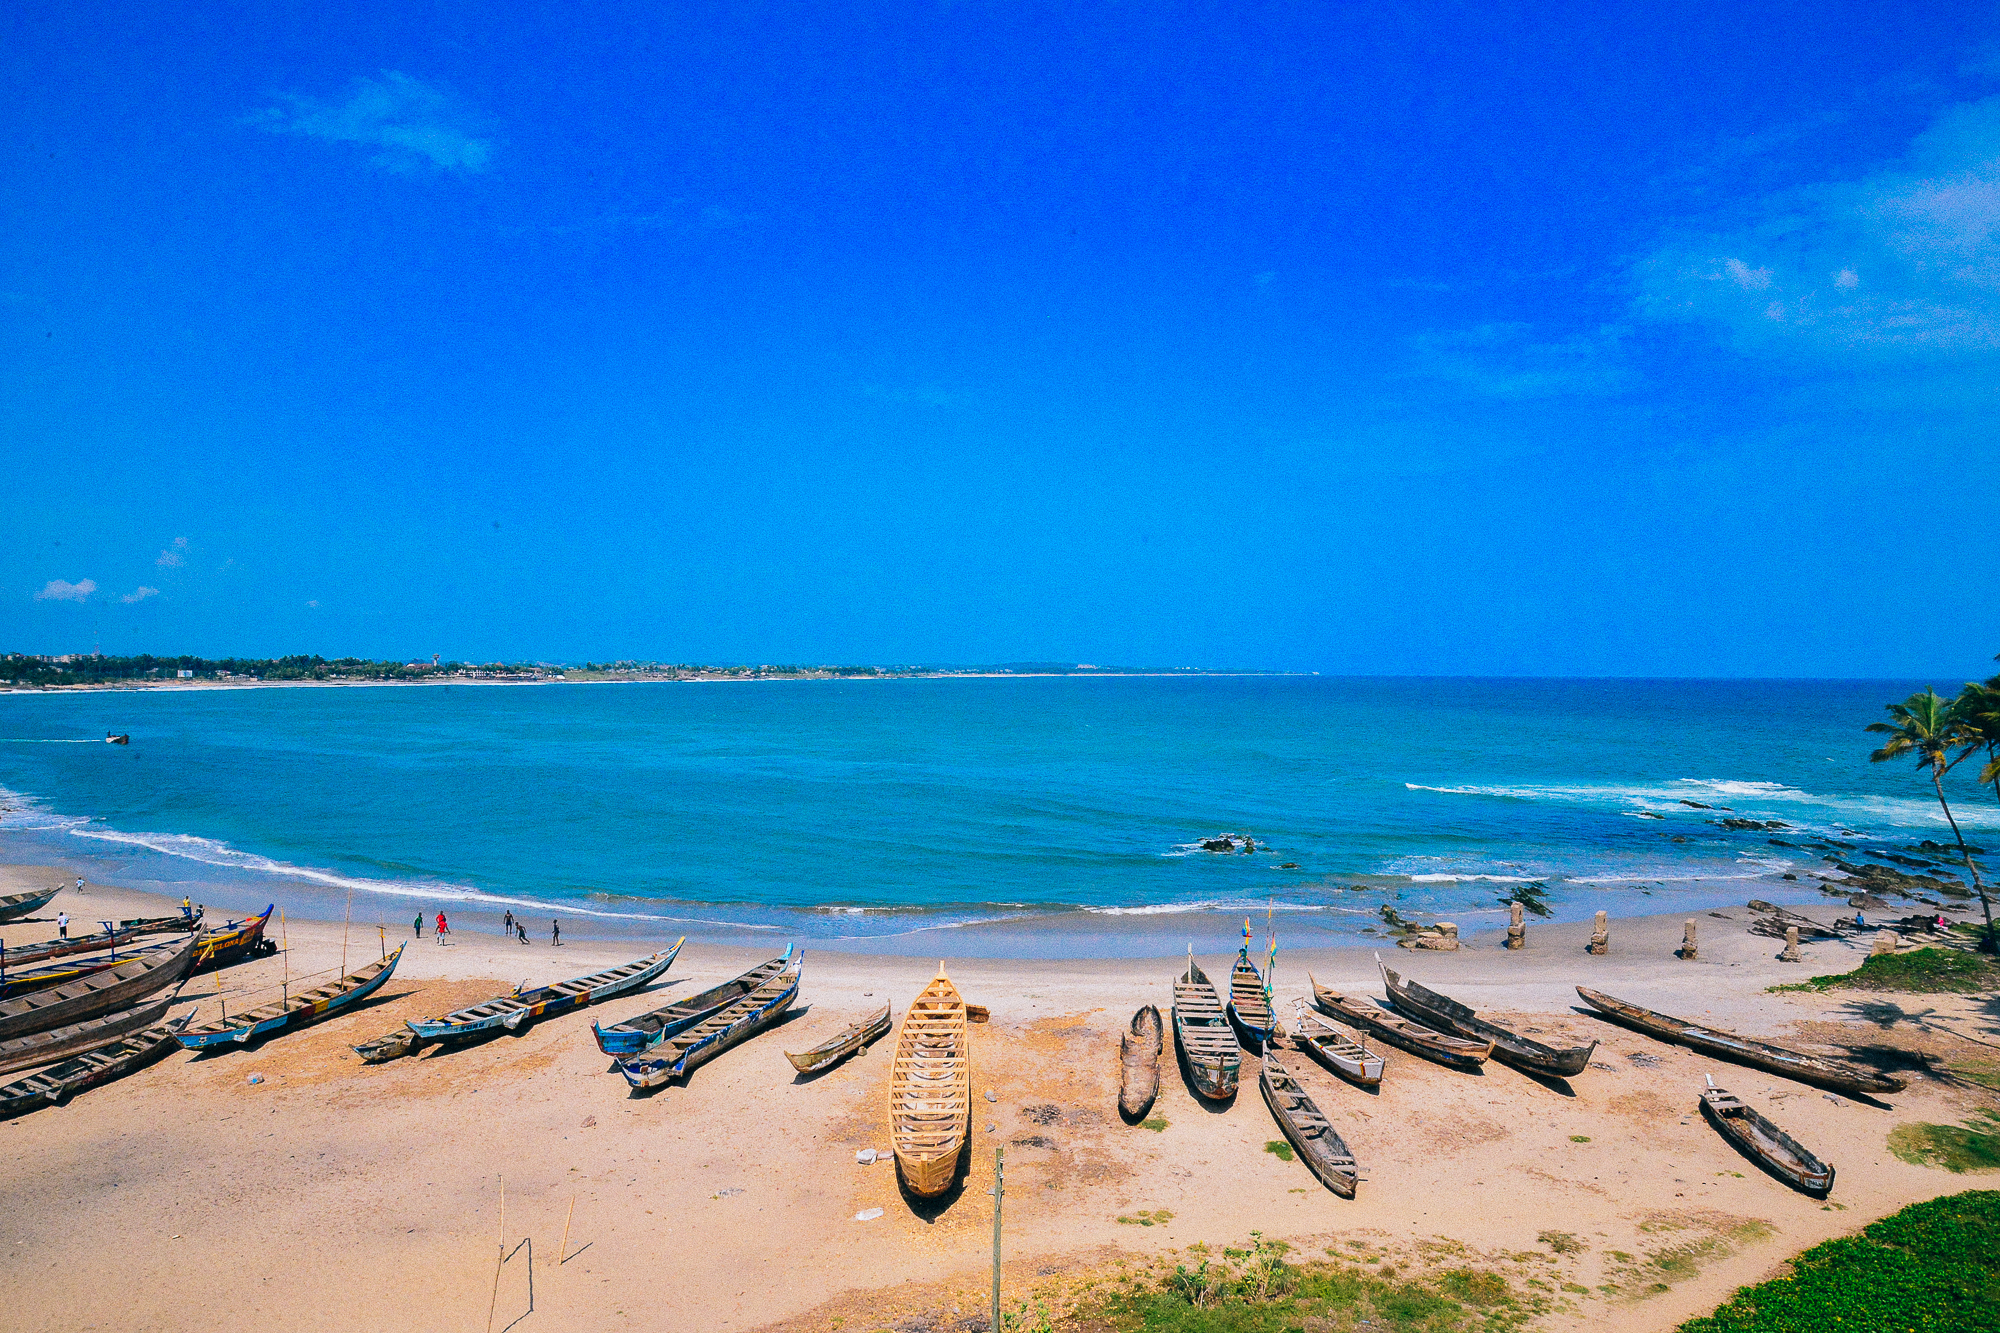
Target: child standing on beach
x=62, y=925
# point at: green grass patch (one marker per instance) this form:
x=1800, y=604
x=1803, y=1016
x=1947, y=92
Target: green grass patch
x=1157, y=1217
x=1156, y=1124
x=1579, y=1138
x=1973, y=1147
x=1925, y=971
x=1282, y=1150
x=1929, y=1268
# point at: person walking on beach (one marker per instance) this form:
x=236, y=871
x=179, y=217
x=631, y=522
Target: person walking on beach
x=79, y=884
x=420, y=925
x=444, y=928
x=62, y=925
x=507, y=923
x=521, y=929
x=555, y=932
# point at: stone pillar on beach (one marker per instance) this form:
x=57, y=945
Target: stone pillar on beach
x=1791, y=953
x=1517, y=930
x=1885, y=942
x=1686, y=953
x=1600, y=934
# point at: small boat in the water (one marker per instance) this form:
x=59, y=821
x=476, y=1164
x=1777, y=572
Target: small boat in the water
x=856, y=1038
x=114, y=988
x=1319, y=1144
x=14, y=906
x=677, y=1056
x=1139, y=1062
x=219, y=946
x=1349, y=1059
x=58, y=1083
x=1201, y=1030
x=1509, y=1047
x=42, y=1048
x=1415, y=1038
x=930, y=1089
x=521, y=1010
x=292, y=1012
x=1249, y=1003
x=117, y=738
x=1815, y=1069
x=1762, y=1141
x=645, y=1031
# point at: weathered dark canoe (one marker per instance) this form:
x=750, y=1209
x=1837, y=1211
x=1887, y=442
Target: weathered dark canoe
x=1442, y=1047
x=289, y=1013
x=58, y=1083
x=233, y=941
x=1509, y=1047
x=1349, y=1059
x=1206, y=1041
x=389, y=1046
x=1770, y=1147
x=522, y=1009
x=1320, y=1145
x=678, y=1055
x=1814, y=1069
x=21, y=955
x=645, y=1031
x=1139, y=1062
x=855, y=1037
x=1249, y=1006
x=42, y=1048
x=118, y=987
x=17, y=905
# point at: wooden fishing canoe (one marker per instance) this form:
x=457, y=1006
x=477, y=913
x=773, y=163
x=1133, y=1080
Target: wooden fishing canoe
x=234, y=941
x=1509, y=1047
x=1817, y=1070
x=1249, y=1006
x=289, y=1013
x=58, y=1083
x=121, y=932
x=855, y=1039
x=44, y=1048
x=389, y=1046
x=1763, y=1142
x=645, y=1031
x=1458, y=1052
x=1319, y=1144
x=521, y=1010
x=17, y=905
x=1325, y=1043
x=1203, y=1036
x=734, y=1023
x=930, y=1089
x=63, y=971
x=115, y=988
x=1139, y=1062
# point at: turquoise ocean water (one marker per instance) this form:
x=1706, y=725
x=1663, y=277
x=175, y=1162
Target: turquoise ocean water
x=1050, y=816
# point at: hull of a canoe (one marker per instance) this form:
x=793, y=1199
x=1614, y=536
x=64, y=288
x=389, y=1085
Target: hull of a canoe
x=390, y=1046
x=1364, y=1072
x=1549, y=1063
x=85, y=1072
x=1339, y=1181
x=442, y=1029
x=1815, y=1180
x=305, y=1015
x=115, y=988
x=1401, y=1040
x=654, y=1073
x=1740, y=1050
x=43, y=1048
x=829, y=1053
x=624, y=1042
x=232, y=943
x=16, y=906
x=1255, y=1028
x=1214, y=1077
x=931, y=1174
x=1139, y=1072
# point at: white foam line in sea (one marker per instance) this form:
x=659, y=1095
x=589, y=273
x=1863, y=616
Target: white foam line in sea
x=1770, y=799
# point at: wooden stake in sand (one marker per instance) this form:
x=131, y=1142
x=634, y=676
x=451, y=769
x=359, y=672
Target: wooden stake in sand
x=563, y=1248
x=285, y=935
x=499, y=1258
x=999, y=1193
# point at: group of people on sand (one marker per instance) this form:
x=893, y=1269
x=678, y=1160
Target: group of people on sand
x=509, y=925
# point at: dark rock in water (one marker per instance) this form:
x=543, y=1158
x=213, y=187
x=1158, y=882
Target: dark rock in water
x=1289, y=865
x=1697, y=805
x=1733, y=823
x=1946, y=848
x=1648, y=814
x=1218, y=844
x=1788, y=875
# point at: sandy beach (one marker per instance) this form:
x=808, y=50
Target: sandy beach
x=205, y=1199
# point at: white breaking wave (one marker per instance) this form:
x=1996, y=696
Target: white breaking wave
x=1490, y=879
x=1770, y=800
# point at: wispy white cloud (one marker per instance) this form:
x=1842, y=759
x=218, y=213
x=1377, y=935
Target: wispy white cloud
x=1511, y=361
x=62, y=590
x=412, y=125
x=1905, y=261
x=174, y=556
x=139, y=594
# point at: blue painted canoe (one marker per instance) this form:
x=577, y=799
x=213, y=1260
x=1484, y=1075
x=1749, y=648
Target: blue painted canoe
x=737, y=1022
x=640, y=1034
x=514, y=1013
x=295, y=1011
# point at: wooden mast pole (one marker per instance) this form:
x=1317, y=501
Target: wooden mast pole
x=999, y=1193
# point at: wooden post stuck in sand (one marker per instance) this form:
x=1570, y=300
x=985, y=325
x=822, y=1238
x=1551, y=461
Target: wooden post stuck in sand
x=563, y=1249
x=1600, y=934
x=999, y=1192
x=1686, y=953
x=1791, y=950
x=1517, y=929
x=499, y=1258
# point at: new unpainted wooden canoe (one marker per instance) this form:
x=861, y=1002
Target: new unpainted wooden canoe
x=521, y=1010
x=58, y=1083
x=234, y=941
x=1203, y=1035
x=1139, y=1062
x=1319, y=1144
x=121, y=932
x=1458, y=1052
x=645, y=1031
x=43, y=1048
x=290, y=1012
x=733, y=1024
x=855, y=1038
x=1814, y=1069
x=17, y=905
x=1770, y=1147
x=114, y=988
x=1509, y=1047
x=930, y=1089
x=1350, y=1059
x=1249, y=1002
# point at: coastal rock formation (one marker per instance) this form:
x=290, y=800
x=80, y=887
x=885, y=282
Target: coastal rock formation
x=1444, y=935
x=1687, y=952
x=1881, y=879
x=1517, y=930
x=1600, y=934
x=1734, y=823
x=1790, y=953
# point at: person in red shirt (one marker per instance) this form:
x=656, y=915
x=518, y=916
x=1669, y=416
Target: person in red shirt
x=443, y=928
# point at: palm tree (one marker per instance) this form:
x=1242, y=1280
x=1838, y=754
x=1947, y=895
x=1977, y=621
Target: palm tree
x=1978, y=708
x=1930, y=726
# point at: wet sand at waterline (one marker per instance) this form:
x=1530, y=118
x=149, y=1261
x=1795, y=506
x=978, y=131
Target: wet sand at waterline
x=187, y=1197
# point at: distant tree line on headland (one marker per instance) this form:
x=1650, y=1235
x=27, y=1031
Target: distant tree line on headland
x=89, y=669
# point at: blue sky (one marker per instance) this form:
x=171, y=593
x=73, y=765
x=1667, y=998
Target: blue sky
x=1630, y=341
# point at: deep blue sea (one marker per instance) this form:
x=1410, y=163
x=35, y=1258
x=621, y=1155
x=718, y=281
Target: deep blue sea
x=954, y=816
